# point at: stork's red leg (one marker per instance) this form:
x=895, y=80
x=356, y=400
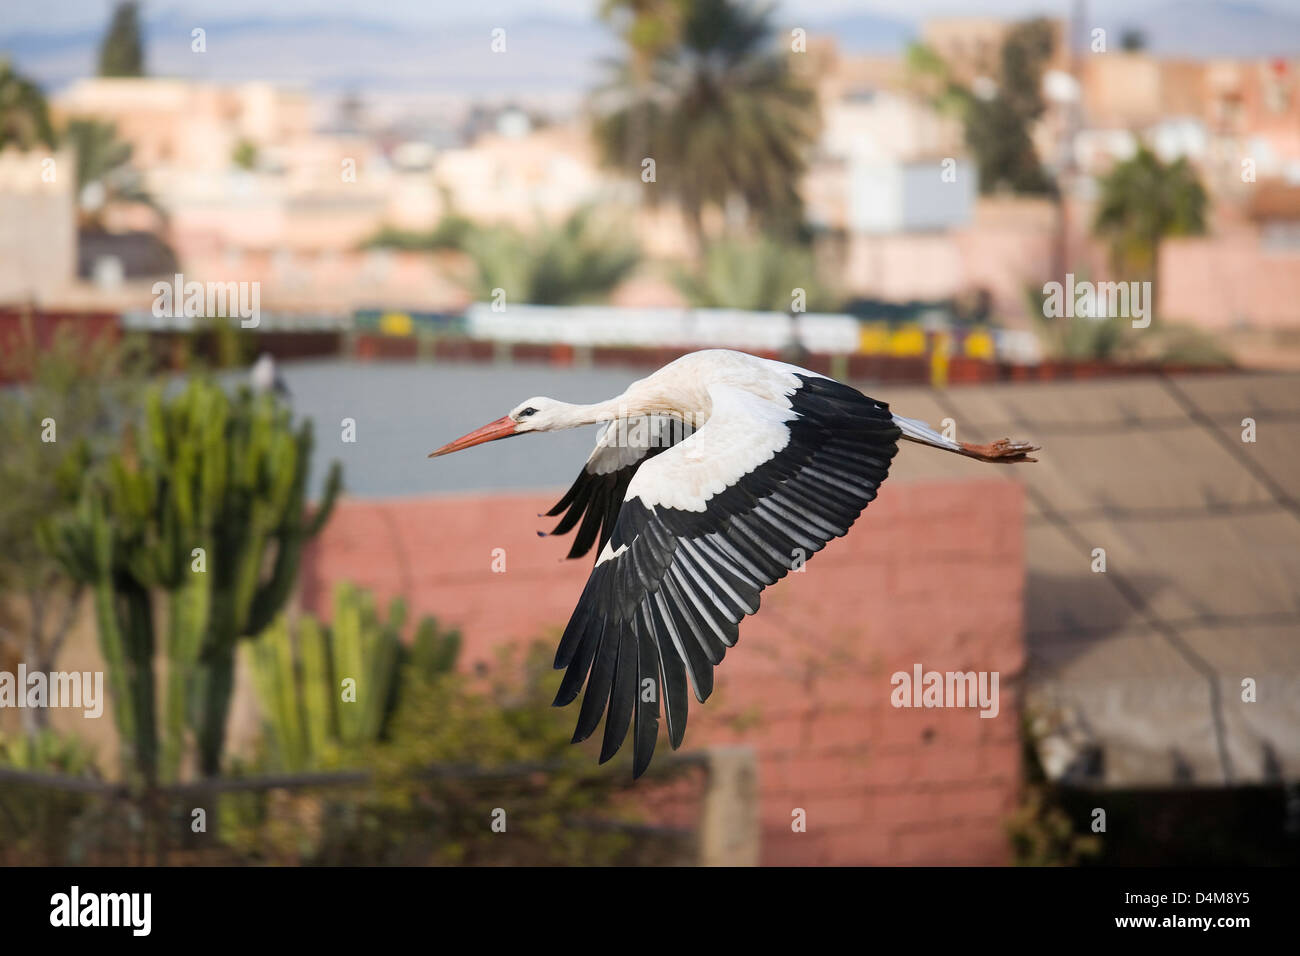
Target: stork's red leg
x=1004, y=451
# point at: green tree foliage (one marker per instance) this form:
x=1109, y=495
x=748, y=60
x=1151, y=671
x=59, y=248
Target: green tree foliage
x=497, y=720
x=451, y=751
x=49, y=752
x=1084, y=339
x=42, y=824
x=24, y=114
x=704, y=93
x=105, y=176
x=649, y=28
x=575, y=261
x=1132, y=40
x=205, y=503
x=1025, y=53
x=1142, y=201
x=244, y=155
x=452, y=232
x=997, y=126
x=1003, y=151
x=121, y=53
x=1081, y=338
x=759, y=274
x=469, y=769
x=53, y=429
x=1040, y=830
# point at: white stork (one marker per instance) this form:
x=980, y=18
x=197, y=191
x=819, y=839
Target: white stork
x=265, y=377
x=712, y=478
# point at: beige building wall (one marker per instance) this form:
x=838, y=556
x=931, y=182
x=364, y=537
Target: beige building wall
x=1009, y=245
x=1229, y=281
x=188, y=124
x=38, y=225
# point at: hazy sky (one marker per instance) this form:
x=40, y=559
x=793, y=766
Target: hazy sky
x=58, y=15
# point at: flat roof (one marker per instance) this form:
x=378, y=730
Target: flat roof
x=1137, y=675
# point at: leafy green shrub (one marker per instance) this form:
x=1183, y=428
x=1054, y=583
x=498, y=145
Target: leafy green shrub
x=451, y=232
x=575, y=261
x=55, y=426
x=1042, y=833
x=458, y=753
x=758, y=274
x=49, y=752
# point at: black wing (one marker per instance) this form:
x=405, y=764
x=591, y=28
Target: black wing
x=665, y=598
x=597, y=493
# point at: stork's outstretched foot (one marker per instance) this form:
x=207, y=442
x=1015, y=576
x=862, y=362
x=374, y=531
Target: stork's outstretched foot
x=1004, y=451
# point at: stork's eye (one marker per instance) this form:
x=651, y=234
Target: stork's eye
x=526, y=412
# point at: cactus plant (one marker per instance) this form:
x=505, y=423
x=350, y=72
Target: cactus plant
x=206, y=503
x=49, y=752
x=309, y=720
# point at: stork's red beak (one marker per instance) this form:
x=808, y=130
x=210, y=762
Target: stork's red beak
x=503, y=427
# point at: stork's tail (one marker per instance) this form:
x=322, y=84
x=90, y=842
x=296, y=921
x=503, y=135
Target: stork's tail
x=1003, y=451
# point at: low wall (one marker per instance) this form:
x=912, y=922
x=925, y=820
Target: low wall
x=932, y=574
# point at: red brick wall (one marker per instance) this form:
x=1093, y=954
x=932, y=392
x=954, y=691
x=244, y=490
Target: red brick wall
x=931, y=574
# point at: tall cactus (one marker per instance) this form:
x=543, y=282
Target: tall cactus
x=205, y=502
x=309, y=722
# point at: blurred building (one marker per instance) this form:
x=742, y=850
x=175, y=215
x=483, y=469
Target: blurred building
x=1215, y=113
x=970, y=46
x=189, y=125
x=1238, y=124
x=38, y=225
x=256, y=189
x=895, y=196
x=519, y=173
x=253, y=193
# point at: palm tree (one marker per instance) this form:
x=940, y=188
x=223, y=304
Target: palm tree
x=758, y=274
x=649, y=28
x=24, y=116
x=714, y=106
x=1142, y=201
x=575, y=261
x=105, y=175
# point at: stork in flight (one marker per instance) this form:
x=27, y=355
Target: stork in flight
x=713, y=477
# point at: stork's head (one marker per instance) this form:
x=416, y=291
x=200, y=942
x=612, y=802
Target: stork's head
x=539, y=414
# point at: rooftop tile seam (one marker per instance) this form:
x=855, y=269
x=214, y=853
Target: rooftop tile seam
x=1212, y=622
x=1233, y=449
x=1124, y=425
x=1157, y=513
x=1134, y=597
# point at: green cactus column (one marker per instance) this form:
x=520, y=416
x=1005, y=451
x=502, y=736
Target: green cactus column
x=310, y=722
x=206, y=504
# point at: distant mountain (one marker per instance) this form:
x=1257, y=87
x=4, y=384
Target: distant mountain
x=542, y=55
x=550, y=54
x=866, y=33
x=1211, y=28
